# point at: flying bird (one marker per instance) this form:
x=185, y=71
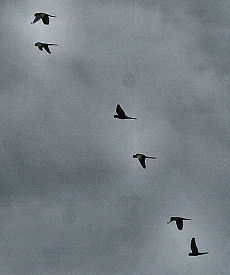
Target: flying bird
x=194, y=249
x=41, y=45
x=121, y=114
x=179, y=221
x=142, y=159
x=43, y=16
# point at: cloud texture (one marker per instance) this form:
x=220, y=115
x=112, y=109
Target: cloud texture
x=72, y=200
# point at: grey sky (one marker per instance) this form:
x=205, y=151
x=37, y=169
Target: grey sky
x=73, y=200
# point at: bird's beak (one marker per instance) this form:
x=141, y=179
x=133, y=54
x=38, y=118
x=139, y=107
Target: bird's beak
x=168, y=222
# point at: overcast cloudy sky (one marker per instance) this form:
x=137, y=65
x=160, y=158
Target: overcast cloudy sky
x=72, y=198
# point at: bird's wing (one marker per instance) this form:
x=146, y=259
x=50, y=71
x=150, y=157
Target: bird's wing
x=45, y=20
x=36, y=19
x=193, y=246
x=119, y=111
x=47, y=48
x=142, y=162
x=179, y=224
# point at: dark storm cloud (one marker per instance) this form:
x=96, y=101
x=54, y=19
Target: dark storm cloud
x=73, y=201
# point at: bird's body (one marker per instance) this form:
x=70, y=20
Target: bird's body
x=194, y=249
x=41, y=45
x=121, y=114
x=179, y=221
x=43, y=16
x=142, y=159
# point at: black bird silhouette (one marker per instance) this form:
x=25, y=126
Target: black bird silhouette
x=43, y=16
x=41, y=45
x=179, y=221
x=194, y=249
x=121, y=114
x=142, y=159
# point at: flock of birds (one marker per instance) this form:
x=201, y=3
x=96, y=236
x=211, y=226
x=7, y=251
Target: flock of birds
x=45, y=19
x=120, y=114
x=179, y=220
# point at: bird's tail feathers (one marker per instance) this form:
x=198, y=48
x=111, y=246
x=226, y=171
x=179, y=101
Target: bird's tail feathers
x=203, y=253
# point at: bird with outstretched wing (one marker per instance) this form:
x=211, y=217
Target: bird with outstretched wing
x=43, y=16
x=42, y=45
x=121, y=114
x=142, y=159
x=194, y=249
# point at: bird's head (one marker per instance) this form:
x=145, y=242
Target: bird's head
x=134, y=156
x=36, y=44
x=171, y=219
x=116, y=116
